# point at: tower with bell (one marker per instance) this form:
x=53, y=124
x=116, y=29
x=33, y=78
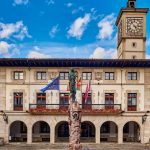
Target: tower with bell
x=131, y=23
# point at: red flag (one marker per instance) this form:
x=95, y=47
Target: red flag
x=87, y=91
x=78, y=84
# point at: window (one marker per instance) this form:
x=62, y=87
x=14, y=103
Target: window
x=64, y=75
x=109, y=75
x=132, y=75
x=87, y=76
x=134, y=44
x=18, y=75
x=109, y=100
x=41, y=75
x=18, y=101
x=64, y=100
x=132, y=101
x=41, y=99
x=87, y=104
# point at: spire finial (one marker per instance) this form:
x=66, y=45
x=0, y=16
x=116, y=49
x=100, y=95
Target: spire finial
x=131, y=3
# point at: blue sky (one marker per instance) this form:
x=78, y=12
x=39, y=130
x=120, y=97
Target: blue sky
x=61, y=28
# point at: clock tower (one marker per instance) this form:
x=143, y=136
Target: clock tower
x=131, y=24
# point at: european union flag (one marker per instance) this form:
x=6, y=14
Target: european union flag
x=53, y=85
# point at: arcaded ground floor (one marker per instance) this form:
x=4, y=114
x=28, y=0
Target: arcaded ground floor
x=59, y=146
x=26, y=128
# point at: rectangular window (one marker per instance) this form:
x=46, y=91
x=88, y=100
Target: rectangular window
x=18, y=75
x=86, y=103
x=41, y=75
x=87, y=76
x=109, y=75
x=132, y=75
x=64, y=75
x=18, y=101
x=132, y=101
x=64, y=100
x=41, y=99
x=109, y=100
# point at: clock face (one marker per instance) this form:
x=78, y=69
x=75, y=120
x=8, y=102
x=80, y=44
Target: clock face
x=134, y=26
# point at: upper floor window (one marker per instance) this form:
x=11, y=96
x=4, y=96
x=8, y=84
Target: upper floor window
x=18, y=101
x=132, y=75
x=132, y=101
x=87, y=75
x=64, y=75
x=18, y=75
x=86, y=101
x=109, y=75
x=41, y=99
x=41, y=75
x=64, y=100
x=109, y=100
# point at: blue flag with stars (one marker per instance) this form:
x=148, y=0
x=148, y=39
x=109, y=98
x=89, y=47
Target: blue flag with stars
x=53, y=85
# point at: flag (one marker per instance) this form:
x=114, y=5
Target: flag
x=53, y=85
x=78, y=84
x=87, y=91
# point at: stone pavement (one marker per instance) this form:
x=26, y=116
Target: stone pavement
x=104, y=146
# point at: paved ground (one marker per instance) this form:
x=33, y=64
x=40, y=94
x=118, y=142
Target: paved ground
x=105, y=146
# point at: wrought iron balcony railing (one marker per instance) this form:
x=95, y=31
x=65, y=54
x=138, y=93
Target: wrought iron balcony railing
x=86, y=108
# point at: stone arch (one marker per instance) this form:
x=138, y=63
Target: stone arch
x=109, y=132
x=131, y=132
x=62, y=132
x=87, y=131
x=18, y=131
x=40, y=131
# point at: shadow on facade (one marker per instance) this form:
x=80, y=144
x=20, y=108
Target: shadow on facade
x=41, y=132
x=109, y=132
x=131, y=132
x=18, y=132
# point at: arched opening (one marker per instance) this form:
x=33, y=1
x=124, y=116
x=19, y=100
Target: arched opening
x=109, y=132
x=41, y=132
x=18, y=132
x=87, y=132
x=62, y=132
x=131, y=132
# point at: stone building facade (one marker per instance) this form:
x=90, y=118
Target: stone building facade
x=118, y=104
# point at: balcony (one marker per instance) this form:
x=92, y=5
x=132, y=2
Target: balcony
x=62, y=109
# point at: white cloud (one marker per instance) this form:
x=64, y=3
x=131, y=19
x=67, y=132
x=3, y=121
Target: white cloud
x=35, y=54
x=17, y=30
x=69, y=4
x=50, y=2
x=101, y=53
x=20, y=2
x=75, y=11
x=106, y=26
x=53, y=31
x=79, y=25
x=8, y=50
x=147, y=56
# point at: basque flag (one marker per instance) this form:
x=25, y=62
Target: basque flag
x=87, y=92
x=53, y=85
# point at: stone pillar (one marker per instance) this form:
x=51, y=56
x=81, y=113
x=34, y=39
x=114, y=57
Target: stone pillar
x=6, y=137
x=29, y=135
x=52, y=134
x=120, y=135
x=97, y=136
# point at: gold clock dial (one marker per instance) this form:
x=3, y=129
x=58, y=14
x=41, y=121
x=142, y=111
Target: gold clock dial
x=134, y=26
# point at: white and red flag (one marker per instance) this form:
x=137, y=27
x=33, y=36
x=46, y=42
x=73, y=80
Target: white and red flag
x=87, y=91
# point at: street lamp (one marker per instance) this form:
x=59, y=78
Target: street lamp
x=144, y=117
x=5, y=117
